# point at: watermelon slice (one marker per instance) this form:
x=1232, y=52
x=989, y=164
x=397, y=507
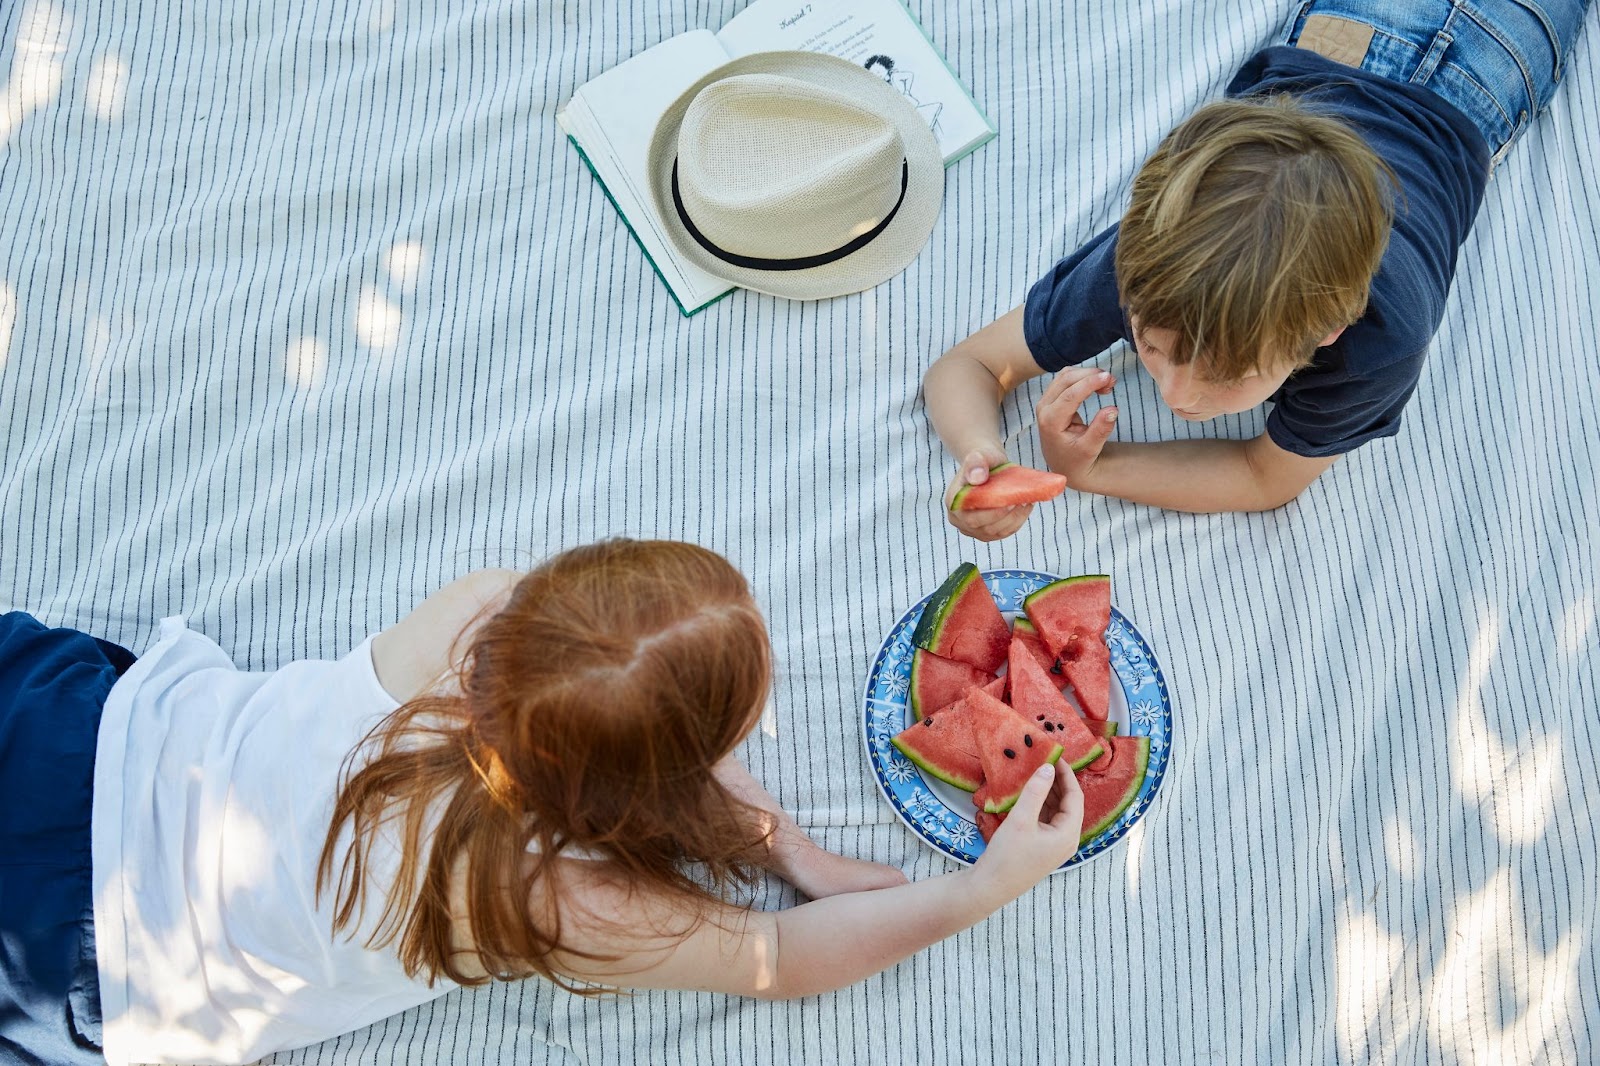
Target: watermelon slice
x=962, y=622
x=1010, y=749
x=1035, y=697
x=1009, y=485
x=941, y=742
x=1107, y=794
x=937, y=682
x=1072, y=616
x=1101, y=729
x=942, y=745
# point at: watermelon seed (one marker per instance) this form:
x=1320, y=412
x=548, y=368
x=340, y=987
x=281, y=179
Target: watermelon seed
x=1041, y=718
x=1027, y=740
x=927, y=721
x=1048, y=728
x=1010, y=754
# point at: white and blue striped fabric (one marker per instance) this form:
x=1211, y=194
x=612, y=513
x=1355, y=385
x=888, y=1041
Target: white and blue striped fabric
x=306, y=309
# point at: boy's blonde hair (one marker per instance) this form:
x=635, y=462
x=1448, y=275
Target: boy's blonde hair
x=1253, y=232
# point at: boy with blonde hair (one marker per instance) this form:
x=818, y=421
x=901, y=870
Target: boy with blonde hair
x=1294, y=242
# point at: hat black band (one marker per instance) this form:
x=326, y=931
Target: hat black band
x=804, y=262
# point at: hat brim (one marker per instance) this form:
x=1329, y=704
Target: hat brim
x=887, y=254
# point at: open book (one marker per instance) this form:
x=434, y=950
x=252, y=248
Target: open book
x=610, y=119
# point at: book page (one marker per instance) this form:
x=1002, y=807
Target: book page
x=882, y=36
x=612, y=119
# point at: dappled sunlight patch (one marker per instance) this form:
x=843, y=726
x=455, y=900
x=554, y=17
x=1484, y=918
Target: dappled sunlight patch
x=305, y=362
x=1401, y=848
x=1575, y=631
x=1135, y=841
x=378, y=319
x=1477, y=754
x=107, y=89
x=381, y=15
x=1366, y=963
x=404, y=263
x=1489, y=964
x=8, y=319
x=1515, y=787
x=36, y=65
x=769, y=720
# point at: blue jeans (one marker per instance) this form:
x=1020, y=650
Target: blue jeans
x=1497, y=61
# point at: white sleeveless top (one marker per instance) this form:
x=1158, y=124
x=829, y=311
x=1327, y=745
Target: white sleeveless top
x=213, y=791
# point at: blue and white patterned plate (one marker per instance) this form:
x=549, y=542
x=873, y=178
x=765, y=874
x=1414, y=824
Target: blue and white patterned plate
x=942, y=814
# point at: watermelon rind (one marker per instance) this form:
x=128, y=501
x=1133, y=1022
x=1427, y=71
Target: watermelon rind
x=1139, y=748
x=957, y=500
x=962, y=622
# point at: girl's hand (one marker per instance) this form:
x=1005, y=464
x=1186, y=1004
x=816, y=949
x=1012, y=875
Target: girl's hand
x=1025, y=849
x=989, y=524
x=1071, y=445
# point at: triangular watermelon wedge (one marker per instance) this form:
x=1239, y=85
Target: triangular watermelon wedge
x=1010, y=749
x=1009, y=485
x=962, y=622
x=1035, y=697
x=942, y=744
x=1107, y=794
x=1072, y=616
x=937, y=682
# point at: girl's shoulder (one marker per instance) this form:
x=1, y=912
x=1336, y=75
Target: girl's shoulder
x=418, y=652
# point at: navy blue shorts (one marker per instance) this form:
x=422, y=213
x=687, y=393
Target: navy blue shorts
x=53, y=683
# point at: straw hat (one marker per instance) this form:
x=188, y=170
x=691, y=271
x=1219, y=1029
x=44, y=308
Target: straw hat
x=796, y=174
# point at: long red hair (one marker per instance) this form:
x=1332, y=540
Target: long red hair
x=592, y=709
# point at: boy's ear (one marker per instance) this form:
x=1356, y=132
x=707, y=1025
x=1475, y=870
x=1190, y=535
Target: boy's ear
x=1330, y=338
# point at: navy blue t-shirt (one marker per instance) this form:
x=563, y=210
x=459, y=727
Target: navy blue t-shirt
x=1357, y=386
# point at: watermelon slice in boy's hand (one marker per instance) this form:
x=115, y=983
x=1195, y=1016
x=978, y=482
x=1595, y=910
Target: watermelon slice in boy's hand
x=1009, y=485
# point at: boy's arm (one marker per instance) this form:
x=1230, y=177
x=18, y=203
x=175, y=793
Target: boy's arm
x=963, y=390
x=1182, y=475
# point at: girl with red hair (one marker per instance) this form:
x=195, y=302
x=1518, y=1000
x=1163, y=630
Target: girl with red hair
x=528, y=775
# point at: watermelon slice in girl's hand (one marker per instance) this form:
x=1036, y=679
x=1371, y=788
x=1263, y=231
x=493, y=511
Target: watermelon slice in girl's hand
x=1009, y=485
x=1035, y=698
x=962, y=622
x=1072, y=616
x=937, y=682
x=1107, y=794
x=1010, y=749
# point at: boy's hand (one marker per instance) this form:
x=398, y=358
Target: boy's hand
x=1071, y=445
x=1026, y=848
x=994, y=523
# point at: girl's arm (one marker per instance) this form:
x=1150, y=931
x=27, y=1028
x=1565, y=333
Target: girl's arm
x=793, y=855
x=819, y=946
x=415, y=653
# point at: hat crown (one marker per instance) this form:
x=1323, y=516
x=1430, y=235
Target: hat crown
x=774, y=167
